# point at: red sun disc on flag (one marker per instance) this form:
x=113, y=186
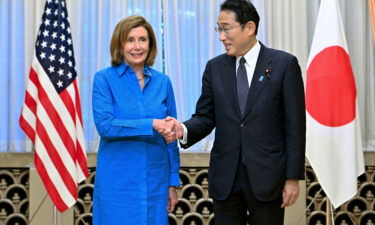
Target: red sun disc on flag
x=330, y=88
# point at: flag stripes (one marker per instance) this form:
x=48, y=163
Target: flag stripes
x=56, y=130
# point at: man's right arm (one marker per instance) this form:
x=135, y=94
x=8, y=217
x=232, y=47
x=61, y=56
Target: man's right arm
x=202, y=122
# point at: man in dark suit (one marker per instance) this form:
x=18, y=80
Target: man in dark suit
x=259, y=148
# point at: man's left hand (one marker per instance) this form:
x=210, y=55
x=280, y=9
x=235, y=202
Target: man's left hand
x=290, y=192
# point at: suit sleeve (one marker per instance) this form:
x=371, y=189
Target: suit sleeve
x=295, y=121
x=203, y=120
x=108, y=126
x=173, y=150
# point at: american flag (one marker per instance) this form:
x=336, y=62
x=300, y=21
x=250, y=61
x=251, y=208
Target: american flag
x=51, y=115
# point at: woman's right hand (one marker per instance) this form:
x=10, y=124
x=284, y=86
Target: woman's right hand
x=165, y=128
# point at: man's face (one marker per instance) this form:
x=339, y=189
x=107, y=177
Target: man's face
x=235, y=37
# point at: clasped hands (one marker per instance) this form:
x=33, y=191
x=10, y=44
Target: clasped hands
x=170, y=128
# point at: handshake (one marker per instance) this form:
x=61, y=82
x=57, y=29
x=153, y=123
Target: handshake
x=170, y=128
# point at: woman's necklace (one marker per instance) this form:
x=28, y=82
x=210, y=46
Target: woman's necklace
x=141, y=82
x=141, y=78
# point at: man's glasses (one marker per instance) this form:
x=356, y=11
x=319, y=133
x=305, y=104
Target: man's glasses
x=225, y=29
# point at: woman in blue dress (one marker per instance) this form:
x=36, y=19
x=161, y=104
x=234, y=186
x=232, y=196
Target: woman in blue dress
x=137, y=169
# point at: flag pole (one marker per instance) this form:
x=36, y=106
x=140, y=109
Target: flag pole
x=328, y=212
x=54, y=215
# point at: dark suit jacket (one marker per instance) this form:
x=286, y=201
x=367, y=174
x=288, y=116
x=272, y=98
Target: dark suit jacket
x=271, y=133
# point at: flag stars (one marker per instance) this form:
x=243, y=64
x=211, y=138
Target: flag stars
x=53, y=46
x=59, y=84
x=51, y=69
x=62, y=60
x=45, y=33
x=62, y=37
x=48, y=11
x=42, y=55
x=52, y=57
x=47, y=22
x=62, y=48
x=43, y=44
x=61, y=72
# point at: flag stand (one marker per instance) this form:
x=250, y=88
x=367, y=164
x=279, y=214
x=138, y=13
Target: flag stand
x=328, y=212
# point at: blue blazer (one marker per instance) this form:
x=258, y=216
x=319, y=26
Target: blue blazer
x=271, y=133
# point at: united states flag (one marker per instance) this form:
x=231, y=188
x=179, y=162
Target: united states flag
x=51, y=115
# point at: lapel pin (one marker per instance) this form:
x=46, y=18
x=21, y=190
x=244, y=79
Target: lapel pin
x=261, y=78
x=268, y=73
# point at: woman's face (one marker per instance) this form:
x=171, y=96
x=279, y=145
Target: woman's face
x=136, y=47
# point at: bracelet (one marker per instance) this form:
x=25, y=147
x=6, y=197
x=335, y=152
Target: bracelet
x=174, y=188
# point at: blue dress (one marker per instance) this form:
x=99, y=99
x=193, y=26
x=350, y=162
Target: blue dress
x=135, y=165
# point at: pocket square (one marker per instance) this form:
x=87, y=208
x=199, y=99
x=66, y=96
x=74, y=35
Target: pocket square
x=261, y=78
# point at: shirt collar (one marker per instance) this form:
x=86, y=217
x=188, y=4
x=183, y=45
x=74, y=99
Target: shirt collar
x=147, y=71
x=251, y=56
x=123, y=68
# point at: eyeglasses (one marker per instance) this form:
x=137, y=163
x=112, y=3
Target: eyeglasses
x=225, y=29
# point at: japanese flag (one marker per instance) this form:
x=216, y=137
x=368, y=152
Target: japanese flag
x=334, y=146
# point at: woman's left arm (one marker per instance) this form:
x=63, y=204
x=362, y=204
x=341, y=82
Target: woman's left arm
x=173, y=150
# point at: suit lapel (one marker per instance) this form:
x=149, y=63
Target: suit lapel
x=229, y=81
x=259, y=79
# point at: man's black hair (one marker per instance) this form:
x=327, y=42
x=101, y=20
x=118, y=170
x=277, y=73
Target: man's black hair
x=244, y=10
